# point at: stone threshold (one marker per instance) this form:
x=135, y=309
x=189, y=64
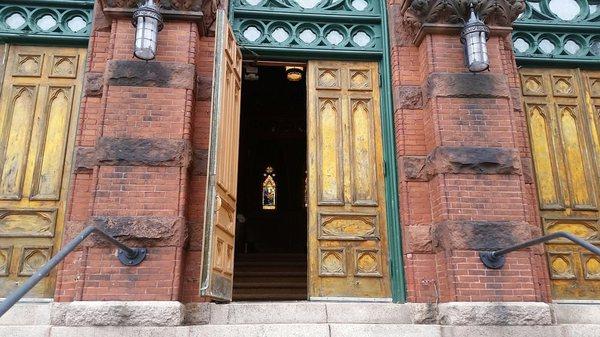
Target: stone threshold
x=176, y=314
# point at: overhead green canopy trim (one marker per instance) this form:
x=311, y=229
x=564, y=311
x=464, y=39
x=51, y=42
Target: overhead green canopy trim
x=46, y=21
x=558, y=32
x=309, y=27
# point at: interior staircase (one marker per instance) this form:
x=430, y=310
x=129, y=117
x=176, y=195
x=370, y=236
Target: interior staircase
x=270, y=277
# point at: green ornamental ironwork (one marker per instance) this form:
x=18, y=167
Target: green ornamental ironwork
x=46, y=21
x=558, y=32
x=309, y=27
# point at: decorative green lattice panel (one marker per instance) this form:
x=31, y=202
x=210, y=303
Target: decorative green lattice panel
x=309, y=27
x=48, y=21
x=558, y=32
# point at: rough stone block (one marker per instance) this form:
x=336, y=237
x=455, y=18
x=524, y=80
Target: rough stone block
x=111, y=151
x=479, y=235
x=261, y=330
x=501, y=331
x=151, y=74
x=145, y=230
x=24, y=313
x=415, y=169
x=143, y=151
x=580, y=330
x=197, y=313
x=408, y=97
x=419, y=239
x=465, y=85
x=112, y=313
x=462, y=160
x=384, y=330
x=93, y=84
x=423, y=313
x=122, y=331
x=25, y=331
x=577, y=313
x=372, y=313
x=271, y=313
x=498, y=313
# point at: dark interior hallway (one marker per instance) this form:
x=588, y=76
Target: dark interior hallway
x=270, y=262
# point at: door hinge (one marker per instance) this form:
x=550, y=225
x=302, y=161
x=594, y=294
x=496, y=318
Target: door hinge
x=380, y=79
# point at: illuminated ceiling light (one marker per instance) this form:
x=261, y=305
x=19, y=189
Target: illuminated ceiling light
x=148, y=22
x=474, y=37
x=294, y=73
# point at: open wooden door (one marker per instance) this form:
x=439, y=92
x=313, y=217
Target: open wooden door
x=346, y=222
x=219, y=217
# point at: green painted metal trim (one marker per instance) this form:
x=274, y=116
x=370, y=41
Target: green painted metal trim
x=558, y=62
x=391, y=165
x=306, y=54
x=61, y=11
x=62, y=3
x=331, y=15
x=327, y=17
x=536, y=25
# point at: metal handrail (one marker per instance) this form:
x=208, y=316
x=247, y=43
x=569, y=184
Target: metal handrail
x=496, y=259
x=127, y=256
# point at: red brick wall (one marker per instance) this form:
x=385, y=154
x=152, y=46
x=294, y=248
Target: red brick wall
x=172, y=270
x=434, y=270
x=141, y=112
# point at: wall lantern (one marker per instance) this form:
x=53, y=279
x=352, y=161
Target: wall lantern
x=294, y=73
x=148, y=22
x=474, y=37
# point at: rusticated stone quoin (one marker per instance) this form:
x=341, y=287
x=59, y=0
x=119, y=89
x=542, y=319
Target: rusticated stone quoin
x=85, y=159
x=479, y=235
x=492, y=12
x=408, y=97
x=462, y=160
x=93, y=85
x=146, y=230
x=419, y=239
x=465, y=85
x=151, y=74
x=111, y=151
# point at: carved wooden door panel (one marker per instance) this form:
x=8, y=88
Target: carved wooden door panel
x=347, y=229
x=39, y=100
x=562, y=107
x=221, y=193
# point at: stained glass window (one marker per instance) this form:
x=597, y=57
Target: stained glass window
x=269, y=189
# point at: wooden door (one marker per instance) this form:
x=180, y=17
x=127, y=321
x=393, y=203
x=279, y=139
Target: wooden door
x=221, y=193
x=347, y=240
x=562, y=107
x=39, y=100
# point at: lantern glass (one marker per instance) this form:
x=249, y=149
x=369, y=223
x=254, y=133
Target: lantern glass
x=148, y=23
x=474, y=37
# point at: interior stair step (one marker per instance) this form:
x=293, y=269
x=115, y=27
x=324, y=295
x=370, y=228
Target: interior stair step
x=269, y=297
x=270, y=277
x=272, y=284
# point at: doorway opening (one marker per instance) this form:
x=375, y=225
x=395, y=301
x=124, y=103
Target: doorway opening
x=271, y=225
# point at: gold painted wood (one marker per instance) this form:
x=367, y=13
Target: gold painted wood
x=563, y=110
x=347, y=240
x=221, y=194
x=39, y=101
